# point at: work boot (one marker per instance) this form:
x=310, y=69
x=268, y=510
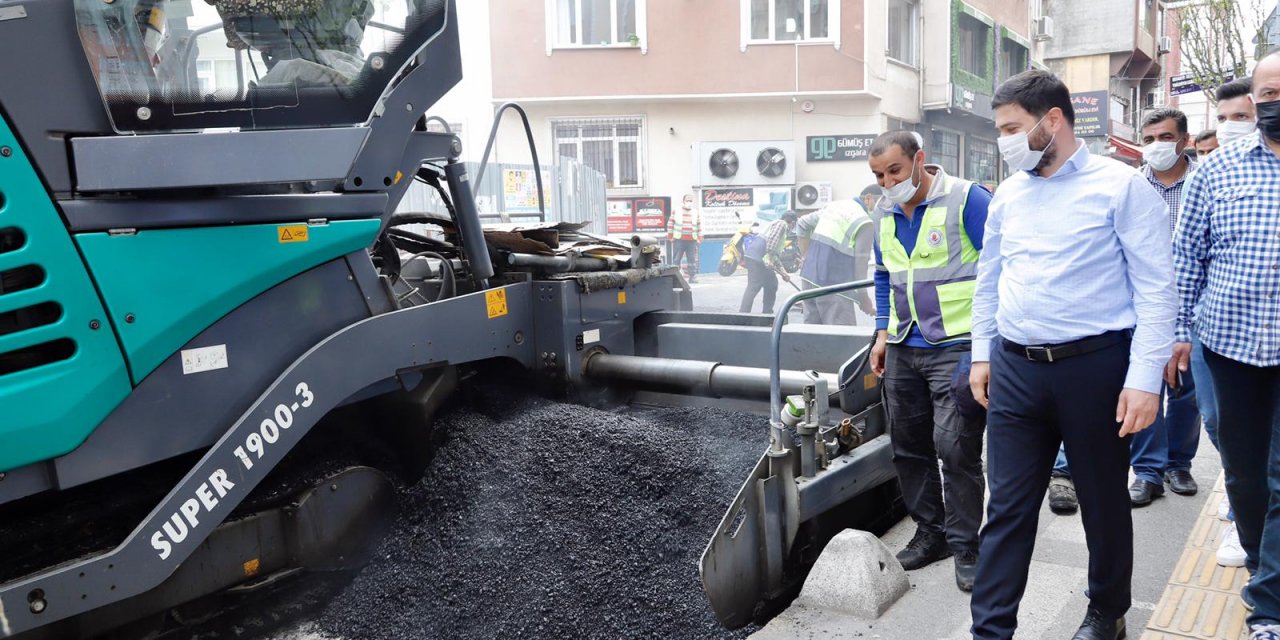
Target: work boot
x=1062, y=496
x=1181, y=482
x=966, y=568
x=1141, y=492
x=1098, y=627
x=924, y=549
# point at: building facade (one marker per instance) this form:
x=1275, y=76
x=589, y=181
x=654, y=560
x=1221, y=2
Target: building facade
x=1117, y=74
x=756, y=105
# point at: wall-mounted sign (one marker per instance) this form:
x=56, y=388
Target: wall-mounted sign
x=1092, y=113
x=724, y=198
x=520, y=191
x=839, y=148
x=978, y=104
x=1186, y=83
x=638, y=215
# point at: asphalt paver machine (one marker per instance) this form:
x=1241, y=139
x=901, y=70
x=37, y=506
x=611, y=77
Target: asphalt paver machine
x=201, y=261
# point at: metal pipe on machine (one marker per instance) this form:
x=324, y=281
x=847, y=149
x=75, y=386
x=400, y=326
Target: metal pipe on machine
x=695, y=377
x=559, y=264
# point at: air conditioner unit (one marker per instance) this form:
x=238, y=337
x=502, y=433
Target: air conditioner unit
x=744, y=163
x=1043, y=28
x=1164, y=44
x=812, y=195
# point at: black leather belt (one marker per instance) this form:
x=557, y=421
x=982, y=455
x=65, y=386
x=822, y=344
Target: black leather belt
x=1056, y=352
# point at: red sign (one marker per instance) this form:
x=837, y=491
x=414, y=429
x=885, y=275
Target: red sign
x=631, y=215
x=651, y=215
x=723, y=198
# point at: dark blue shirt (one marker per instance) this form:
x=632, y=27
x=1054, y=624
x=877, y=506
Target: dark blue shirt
x=907, y=231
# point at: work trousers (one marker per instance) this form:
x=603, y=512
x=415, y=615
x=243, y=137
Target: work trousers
x=837, y=308
x=1248, y=401
x=1034, y=407
x=759, y=276
x=925, y=427
x=686, y=250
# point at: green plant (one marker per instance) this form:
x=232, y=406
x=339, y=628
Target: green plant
x=634, y=40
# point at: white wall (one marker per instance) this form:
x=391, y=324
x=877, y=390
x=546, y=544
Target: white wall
x=673, y=127
x=471, y=102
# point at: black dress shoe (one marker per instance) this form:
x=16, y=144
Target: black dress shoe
x=1181, y=482
x=924, y=549
x=1062, y=496
x=966, y=569
x=1098, y=627
x=1141, y=492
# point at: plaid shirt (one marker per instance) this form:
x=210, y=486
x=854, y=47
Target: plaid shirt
x=1227, y=254
x=1172, y=194
x=773, y=235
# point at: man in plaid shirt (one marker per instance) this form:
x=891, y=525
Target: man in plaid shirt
x=761, y=255
x=1227, y=255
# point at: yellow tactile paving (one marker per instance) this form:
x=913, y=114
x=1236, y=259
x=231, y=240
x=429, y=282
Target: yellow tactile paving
x=1202, y=600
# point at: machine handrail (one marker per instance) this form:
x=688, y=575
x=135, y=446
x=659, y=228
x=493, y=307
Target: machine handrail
x=775, y=351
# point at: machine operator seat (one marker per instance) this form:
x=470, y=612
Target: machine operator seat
x=303, y=42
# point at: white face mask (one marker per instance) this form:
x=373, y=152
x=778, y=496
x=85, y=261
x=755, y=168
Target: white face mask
x=1234, y=130
x=1017, y=152
x=902, y=192
x=1161, y=155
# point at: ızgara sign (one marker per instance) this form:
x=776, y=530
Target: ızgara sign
x=839, y=148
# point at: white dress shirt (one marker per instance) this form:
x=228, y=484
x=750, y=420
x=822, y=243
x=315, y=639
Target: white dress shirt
x=1080, y=253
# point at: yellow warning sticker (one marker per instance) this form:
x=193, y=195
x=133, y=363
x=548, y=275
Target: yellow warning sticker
x=622, y=297
x=399, y=175
x=496, y=300
x=292, y=233
x=252, y=567
x=870, y=381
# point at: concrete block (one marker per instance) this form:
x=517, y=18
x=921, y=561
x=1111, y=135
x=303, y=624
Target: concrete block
x=856, y=575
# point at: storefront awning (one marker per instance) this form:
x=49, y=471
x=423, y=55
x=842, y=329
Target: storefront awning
x=1125, y=151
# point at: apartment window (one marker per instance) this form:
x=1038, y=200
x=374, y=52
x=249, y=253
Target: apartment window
x=788, y=20
x=981, y=163
x=593, y=23
x=612, y=146
x=945, y=150
x=903, y=30
x=1013, y=59
x=974, y=36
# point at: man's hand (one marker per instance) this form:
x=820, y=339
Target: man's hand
x=979, y=378
x=1136, y=410
x=877, y=353
x=1181, y=361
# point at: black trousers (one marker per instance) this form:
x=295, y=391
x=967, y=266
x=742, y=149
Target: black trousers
x=1034, y=407
x=686, y=250
x=759, y=276
x=925, y=427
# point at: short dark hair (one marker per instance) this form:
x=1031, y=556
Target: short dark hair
x=790, y=216
x=1160, y=115
x=1037, y=92
x=1206, y=134
x=905, y=139
x=1234, y=89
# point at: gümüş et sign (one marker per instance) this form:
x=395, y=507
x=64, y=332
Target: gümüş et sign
x=839, y=148
x=1092, y=113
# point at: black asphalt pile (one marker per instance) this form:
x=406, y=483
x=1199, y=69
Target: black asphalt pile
x=545, y=520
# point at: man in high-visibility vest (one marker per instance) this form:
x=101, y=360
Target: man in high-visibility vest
x=928, y=232
x=836, y=244
x=684, y=230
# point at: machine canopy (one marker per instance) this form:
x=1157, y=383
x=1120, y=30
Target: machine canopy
x=185, y=65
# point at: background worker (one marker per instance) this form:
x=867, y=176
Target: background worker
x=684, y=231
x=761, y=253
x=1237, y=117
x=928, y=232
x=836, y=244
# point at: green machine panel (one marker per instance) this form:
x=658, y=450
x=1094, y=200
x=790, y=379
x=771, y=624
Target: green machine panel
x=61, y=370
x=164, y=287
